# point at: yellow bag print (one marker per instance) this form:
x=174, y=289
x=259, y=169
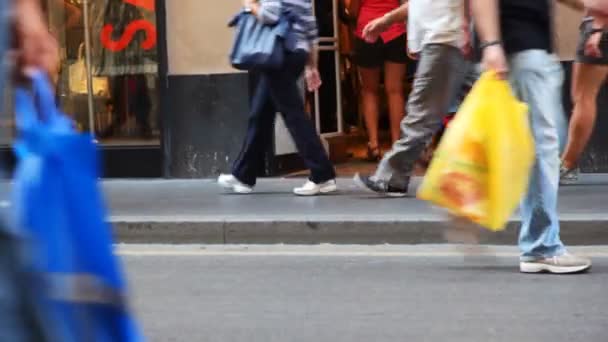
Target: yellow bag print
x=481, y=168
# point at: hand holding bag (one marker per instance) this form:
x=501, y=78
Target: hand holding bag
x=60, y=208
x=481, y=169
x=259, y=46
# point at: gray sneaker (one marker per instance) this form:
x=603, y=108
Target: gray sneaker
x=562, y=264
x=379, y=187
x=568, y=176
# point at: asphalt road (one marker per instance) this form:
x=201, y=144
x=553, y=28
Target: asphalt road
x=346, y=293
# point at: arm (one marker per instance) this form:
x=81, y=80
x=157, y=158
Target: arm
x=353, y=9
x=73, y=14
x=398, y=14
x=267, y=11
x=574, y=4
x=593, y=43
x=485, y=14
x=36, y=45
x=466, y=29
x=372, y=31
x=311, y=73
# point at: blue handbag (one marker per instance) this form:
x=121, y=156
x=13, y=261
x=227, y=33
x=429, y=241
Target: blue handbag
x=60, y=208
x=259, y=46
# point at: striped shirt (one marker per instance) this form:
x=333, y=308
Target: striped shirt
x=305, y=28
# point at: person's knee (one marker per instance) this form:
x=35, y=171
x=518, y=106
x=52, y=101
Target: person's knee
x=546, y=140
x=369, y=88
x=394, y=89
x=393, y=85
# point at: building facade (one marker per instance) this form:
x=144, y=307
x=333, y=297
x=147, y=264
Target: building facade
x=151, y=80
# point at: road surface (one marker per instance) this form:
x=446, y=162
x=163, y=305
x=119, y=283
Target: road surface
x=349, y=293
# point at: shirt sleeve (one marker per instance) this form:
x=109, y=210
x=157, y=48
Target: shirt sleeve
x=269, y=11
x=309, y=21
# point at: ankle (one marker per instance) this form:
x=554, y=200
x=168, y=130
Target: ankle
x=568, y=164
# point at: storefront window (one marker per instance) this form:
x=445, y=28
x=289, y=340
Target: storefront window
x=120, y=105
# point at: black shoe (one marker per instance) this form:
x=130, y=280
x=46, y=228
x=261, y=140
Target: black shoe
x=379, y=187
x=373, y=154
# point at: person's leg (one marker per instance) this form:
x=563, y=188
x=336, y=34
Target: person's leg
x=586, y=83
x=370, y=83
x=287, y=97
x=394, y=76
x=142, y=105
x=395, y=69
x=589, y=73
x=258, y=138
x=438, y=72
x=369, y=60
x=537, y=78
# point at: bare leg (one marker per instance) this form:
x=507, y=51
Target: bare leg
x=394, y=76
x=370, y=81
x=586, y=83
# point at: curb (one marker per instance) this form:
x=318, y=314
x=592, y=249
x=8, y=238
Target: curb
x=573, y=232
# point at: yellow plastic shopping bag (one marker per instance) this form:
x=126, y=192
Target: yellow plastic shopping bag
x=481, y=168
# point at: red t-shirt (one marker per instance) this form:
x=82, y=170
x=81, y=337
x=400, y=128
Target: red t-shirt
x=373, y=9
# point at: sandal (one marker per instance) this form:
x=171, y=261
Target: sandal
x=373, y=153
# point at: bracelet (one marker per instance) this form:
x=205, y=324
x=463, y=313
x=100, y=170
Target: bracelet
x=596, y=30
x=484, y=45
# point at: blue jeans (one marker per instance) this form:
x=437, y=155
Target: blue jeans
x=537, y=78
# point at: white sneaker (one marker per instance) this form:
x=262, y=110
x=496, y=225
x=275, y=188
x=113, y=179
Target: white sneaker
x=313, y=189
x=568, y=176
x=562, y=264
x=229, y=182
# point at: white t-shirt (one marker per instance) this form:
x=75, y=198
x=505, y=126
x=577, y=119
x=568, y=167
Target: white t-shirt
x=435, y=22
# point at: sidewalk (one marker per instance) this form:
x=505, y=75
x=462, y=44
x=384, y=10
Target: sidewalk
x=197, y=211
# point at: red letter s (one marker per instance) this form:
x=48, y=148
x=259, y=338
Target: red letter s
x=128, y=35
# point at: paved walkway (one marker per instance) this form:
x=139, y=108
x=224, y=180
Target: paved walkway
x=197, y=211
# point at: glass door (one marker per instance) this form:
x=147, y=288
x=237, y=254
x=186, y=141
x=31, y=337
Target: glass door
x=327, y=101
x=108, y=79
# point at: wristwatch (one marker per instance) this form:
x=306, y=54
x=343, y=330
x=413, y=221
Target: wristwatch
x=484, y=45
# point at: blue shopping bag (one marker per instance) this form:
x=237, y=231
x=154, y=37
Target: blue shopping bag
x=60, y=208
x=260, y=46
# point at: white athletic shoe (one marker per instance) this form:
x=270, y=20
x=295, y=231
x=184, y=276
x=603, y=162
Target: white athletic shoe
x=229, y=182
x=562, y=264
x=313, y=189
x=568, y=176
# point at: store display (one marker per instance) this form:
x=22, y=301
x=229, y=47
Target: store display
x=123, y=37
x=79, y=81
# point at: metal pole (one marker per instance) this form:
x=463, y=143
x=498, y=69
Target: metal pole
x=87, y=61
x=338, y=69
x=317, y=112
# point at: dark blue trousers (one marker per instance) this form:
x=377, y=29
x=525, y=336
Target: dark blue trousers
x=281, y=87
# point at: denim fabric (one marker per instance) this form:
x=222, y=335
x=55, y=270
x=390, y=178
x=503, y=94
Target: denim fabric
x=537, y=79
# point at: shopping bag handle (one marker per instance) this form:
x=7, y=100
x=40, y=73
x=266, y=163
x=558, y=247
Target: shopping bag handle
x=44, y=96
x=35, y=104
x=37, y=118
